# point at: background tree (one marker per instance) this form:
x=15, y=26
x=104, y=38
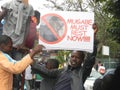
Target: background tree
x=112, y=8
x=62, y=56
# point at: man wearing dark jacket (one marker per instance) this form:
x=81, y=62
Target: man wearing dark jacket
x=47, y=82
x=73, y=76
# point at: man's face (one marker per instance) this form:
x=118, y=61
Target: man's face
x=50, y=65
x=75, y=59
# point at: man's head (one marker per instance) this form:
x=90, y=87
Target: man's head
x=77, y=58
x=52, y=64
x=37, y=15
x=106, y=81
x=5, y=43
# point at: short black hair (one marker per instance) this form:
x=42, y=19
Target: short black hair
x=82, y=54
x=4, y=39
x=54, y=62
x=37, y=15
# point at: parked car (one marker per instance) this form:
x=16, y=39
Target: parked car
x=109, y=71
x=91, y=79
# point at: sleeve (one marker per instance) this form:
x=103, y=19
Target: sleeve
x=17, y=67
x=44, y=72
x=31, y=11
x=89, y=62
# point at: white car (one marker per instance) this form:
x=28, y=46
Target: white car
x=91, y=79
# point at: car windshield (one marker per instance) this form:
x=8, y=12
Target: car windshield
x=109, y=71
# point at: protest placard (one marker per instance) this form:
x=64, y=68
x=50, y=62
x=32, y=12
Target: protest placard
x=67, y=30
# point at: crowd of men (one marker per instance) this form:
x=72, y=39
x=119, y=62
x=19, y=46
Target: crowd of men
x=17, y=61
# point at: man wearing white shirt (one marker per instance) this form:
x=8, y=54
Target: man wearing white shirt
x=28, y=78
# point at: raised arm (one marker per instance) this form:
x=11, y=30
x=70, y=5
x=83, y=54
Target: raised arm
x=44, y=72
x=89, y=62
x=7, y=64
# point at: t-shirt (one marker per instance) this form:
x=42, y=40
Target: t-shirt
x=38, y=77
x=28, y=74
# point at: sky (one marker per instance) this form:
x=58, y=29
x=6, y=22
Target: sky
x=37, y=4
x=2, y=2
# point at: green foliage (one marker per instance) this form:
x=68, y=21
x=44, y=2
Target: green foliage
x=114, y=49
x=99, y=0
x=112, y=9
x=62, y=56
x=114, y=30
